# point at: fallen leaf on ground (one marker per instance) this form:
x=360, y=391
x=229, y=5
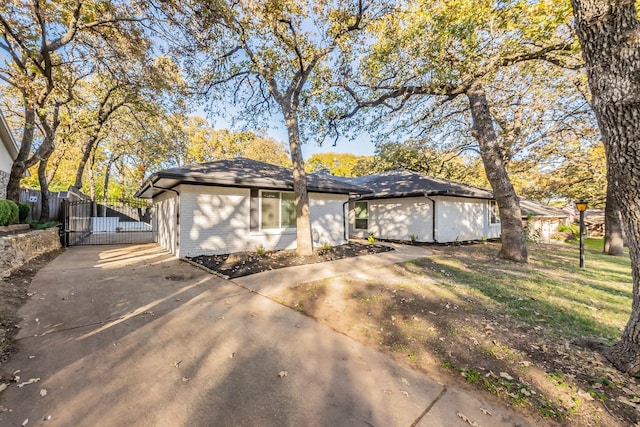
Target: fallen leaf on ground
x=585, y=395
x=486, y=412
x=404, y=392
x=43, y=392
x=467, y=420
x=3, y=386
x=626, y=401
x=506, y=376
x=31, y=381
x=282, y=374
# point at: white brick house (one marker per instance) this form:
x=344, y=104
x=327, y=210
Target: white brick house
x=8, y=153
x=407, y=206
x=238, y=205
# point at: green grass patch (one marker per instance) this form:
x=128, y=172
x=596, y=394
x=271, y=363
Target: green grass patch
x=551, y=293
x=590, y=243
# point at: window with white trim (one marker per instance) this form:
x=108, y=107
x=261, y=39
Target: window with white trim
x=277, y=210
x=361, y=210
x=494, y=213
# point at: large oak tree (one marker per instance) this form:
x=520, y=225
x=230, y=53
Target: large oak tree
x=48, y=47
x=609, y=33
x=439, y=52
x=265, y=55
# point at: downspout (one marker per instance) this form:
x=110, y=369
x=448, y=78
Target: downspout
x=433, y=218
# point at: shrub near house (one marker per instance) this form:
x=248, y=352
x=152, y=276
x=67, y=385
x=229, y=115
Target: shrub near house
x=8, y=212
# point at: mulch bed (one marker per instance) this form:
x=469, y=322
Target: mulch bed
x=246, y=263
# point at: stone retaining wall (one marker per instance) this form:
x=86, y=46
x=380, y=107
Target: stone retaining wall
x=4, y=181
x=18, y=249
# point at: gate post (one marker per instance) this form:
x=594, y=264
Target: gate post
x=64, y=229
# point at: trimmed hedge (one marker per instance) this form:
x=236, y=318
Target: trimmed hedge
x=8, y=212
x=23, y=211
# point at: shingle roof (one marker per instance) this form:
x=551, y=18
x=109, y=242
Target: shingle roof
x=404, y=183
x=539, y=210
x=240, y=172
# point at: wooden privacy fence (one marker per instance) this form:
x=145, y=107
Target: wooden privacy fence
x=34, y=198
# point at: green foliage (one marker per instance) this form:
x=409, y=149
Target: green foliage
x=371, y=239
x=472, y=376
x=422, y=157
x=23, y=211
x=340, y=164
x=42, y=225
x=572, y=231
x=326, y=246
x=4, y=213
x=260, y=250
x=8, y=212
x=530, y=233
x=198, y=142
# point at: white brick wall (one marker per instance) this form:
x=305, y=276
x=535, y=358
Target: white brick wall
x=327, y=220
x=216, y=220
x=166, y=215
x=463, y=219
x=396, y=219
x=5, y=158
x=399, y=218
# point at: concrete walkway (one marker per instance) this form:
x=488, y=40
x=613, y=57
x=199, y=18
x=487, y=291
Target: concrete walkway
x=270, y=282
x=130, y=335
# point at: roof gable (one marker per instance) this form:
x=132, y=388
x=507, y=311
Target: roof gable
x=529, y=207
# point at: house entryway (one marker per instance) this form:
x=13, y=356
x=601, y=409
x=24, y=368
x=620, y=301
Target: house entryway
x=108, y=222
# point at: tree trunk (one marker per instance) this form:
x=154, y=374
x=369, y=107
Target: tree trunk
x=44, y=190
x=613, y=241
x=609, y=33
x=86, y=153
x=304, y=243
x=514, y=244
x=21, y=164
x=105, y=189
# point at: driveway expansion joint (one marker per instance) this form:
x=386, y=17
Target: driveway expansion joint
x=431, y=405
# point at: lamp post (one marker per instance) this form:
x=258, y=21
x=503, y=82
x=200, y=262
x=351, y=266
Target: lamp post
x=581, y=205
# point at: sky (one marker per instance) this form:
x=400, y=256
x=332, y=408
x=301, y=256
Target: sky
x=361, y=146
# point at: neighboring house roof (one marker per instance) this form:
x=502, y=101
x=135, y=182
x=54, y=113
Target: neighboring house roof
x=404, y=183
x=240, y=172
x=7, y=138
x=594, y=216
x=539, y=210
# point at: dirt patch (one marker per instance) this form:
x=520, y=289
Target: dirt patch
x=13, y=294
x=246, y=263
x=417, y=314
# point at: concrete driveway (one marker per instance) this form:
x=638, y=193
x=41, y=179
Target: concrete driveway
x=129, y=335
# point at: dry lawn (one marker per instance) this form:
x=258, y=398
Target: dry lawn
x=529, y=335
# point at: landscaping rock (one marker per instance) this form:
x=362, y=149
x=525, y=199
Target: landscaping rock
x=18, y=249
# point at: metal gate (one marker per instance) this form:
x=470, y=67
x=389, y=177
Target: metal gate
x=109, y=222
